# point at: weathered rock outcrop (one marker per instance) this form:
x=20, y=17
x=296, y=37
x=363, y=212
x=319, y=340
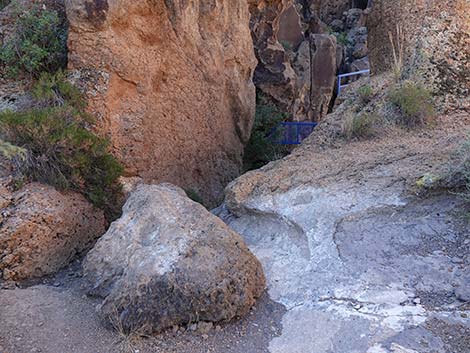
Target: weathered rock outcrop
x=298, y=54
x=274, y=75
x=168, y=261
x=170, y=83
x=351, y=251
x=436, y=41
x=41, y=230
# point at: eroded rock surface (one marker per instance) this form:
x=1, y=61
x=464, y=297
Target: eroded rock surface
x=170, y=83
x=301, y=47
x=360, y=262
x=436, y=39
x=41, y=230
x=168, y=261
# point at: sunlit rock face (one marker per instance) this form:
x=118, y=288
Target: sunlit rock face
x=170, y=83
x=436, y=37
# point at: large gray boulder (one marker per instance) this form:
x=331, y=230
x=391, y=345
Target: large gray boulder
x=168, y=261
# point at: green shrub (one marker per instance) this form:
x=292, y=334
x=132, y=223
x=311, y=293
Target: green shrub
x=194, y=195
x=286, y=45
x=342, y=38
x=360, y=126
x=4, y=3
x=415, y=104
x=53, y=89
x=62, y=152
x=260, y=150
x=39, y=43
x=365, y=94
x=11, y=152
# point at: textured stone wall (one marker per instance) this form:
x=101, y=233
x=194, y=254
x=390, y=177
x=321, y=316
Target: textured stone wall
x=170, y=82
x=437, y=36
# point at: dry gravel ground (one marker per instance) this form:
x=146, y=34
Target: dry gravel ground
x=55, y=316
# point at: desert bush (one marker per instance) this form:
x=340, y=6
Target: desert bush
x=60, y=149
x=12, y=152
x=365, y=94
x=414, y=102
x=360, y=126
x=286, y=45
x=260, y=150
x=39, y=43
x=342, y=38
x=397, y=42
x=53, y=89
x=61, y=152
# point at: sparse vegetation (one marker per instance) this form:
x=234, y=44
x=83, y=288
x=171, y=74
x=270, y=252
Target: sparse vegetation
x=365, y=94
x=54, y=90
x=260, y=150
x=342, y=38
x=38, y=43
x=360, y=126
x=194, y=195
x=61, y=151
x=414, y=102
x=12, y=152
x=286, y=45
x=397, y=42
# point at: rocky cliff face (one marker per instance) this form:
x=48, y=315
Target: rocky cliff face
x=437, y=42
x=301, y=46
x=171, y=85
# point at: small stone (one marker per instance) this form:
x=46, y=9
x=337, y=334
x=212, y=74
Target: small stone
x=357, y=306
x=417, y=301
x=204, y=336
x=463, y=293
x=218, y=328
x=192, y=327
x=204, y=327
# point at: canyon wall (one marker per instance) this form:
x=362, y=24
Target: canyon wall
x=170, y=82
x=301, y=46
x=436, y=40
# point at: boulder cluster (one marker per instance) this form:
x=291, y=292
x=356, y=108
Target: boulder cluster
x=166, y=262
